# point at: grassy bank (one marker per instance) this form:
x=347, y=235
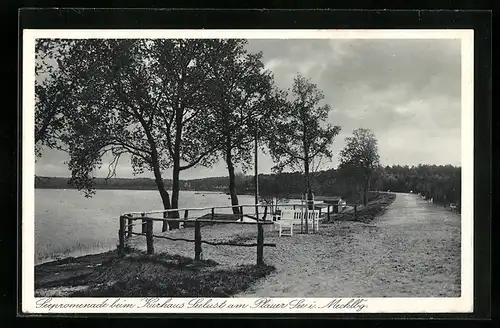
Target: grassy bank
x=139, y=275
x=377, y=205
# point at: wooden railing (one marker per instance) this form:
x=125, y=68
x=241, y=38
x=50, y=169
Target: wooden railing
x=127, y=223
x=325, y=208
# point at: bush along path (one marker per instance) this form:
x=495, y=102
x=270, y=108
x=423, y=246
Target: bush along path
x=378, y=204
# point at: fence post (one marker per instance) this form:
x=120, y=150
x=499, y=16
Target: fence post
x=130, y=227
x=149, y=237
x=143, y=225
x=301, y=221
x=121, y=236
x=186, y=216
x=328, y=212
x=316, y=223
x=260, y=244
x=241, y=213
x=319, y=218
x=306, y=213
x=355, y=210
x=213, y=213
x=197, y=240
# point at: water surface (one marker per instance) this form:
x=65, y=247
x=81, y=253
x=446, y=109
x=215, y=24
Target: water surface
x=68, y=223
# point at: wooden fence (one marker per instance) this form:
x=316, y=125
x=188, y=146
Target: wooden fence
x=267, y=209
x=127, y=224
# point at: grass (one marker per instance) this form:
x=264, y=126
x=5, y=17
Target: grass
x=187, y=283
x=139, y=275
x=43, y=253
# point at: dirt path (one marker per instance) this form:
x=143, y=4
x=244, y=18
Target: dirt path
x=413, y=250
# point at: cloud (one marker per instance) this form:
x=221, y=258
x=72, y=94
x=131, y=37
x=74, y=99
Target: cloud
x=406, y=91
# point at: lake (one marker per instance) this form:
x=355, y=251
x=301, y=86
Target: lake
x=68, y=224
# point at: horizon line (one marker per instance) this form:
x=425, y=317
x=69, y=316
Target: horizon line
x=250, y=175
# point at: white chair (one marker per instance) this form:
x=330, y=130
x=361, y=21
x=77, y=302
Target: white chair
x=276, y=217
x=288, y=219
x=312, y=220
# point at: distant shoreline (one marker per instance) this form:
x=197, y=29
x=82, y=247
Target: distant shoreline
x=206, y=185
x=129, y=188
x=196, y=191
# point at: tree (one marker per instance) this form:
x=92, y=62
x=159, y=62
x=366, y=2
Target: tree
x=361, y=155
x=52, y=92
x=245, y=102
x=141, y=97
x=302, y=139
x=184, y=67
x=113, y=113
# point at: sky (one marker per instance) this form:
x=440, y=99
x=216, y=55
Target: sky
x=407, y=91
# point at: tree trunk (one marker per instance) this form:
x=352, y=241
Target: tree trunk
x=305, y=145
x=307, y=177
x=176, y=169
x=308, y=191
x=175, y=195
x=155, y=163
x=161, y=188
x=232, y=184
x=365, y=193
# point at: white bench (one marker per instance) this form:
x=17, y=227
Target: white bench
x=297, y=217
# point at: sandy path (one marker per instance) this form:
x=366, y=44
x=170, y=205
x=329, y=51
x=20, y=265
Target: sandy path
x=413, y=250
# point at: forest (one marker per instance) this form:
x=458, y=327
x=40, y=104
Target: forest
x=441, y=183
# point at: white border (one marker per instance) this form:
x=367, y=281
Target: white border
x=374, y=305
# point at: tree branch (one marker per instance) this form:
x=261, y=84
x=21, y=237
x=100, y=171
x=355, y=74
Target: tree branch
x=196, y=161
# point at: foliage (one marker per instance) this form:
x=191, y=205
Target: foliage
x=176, y=103
x=246, y=103
x=441, y=183
x=360, y=157
x=151, y=99
x=302, y=139
x=361, y=151
x=53, y=91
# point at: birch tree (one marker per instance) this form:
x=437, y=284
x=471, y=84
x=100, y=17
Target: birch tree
x=302, y=137
x=246, y=103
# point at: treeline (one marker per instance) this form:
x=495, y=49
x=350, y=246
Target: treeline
x=441, y=183
x=126, y=183
x=100, y=183
x=205, y=184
